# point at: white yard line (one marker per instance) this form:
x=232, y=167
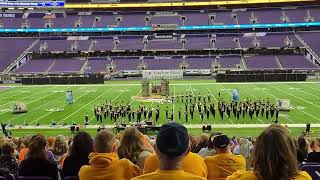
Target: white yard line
x=85, y=105
x=217, y=105
x=28, y=97
x=136, y=95
x=59, y=107
x=49, y=102
x=313, y=88
x=294, y=96
x=304, y=91
x=111, y=101
x=177, y=84
x=297, y=109
x=7, y=91
x=174, y=94
x=253, y=113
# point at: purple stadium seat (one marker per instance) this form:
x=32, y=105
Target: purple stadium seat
x=71, y=178
x=33, y=178
x=312, y=169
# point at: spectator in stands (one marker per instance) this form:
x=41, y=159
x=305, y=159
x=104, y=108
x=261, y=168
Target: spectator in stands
x=24, y=148
x=133, y=148
x=223, y=163
x=81, y=147
x=207, y=151
x=193, y=143
x=8, y=160
x=37, y=163
x=50, y=143
x=315, y=155
x=60, y=150
x=275, y=157
x=104, y=163
x=189, y=162
x=302, y=151
x=203, y=141
x=172, y=145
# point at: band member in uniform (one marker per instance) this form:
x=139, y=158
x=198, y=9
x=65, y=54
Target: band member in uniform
x=257, y=110
x=272, y=111
x=201, y=116
x=267, y=111
x=139, y=116
x=228, y=110
x=277, y=113
x=86, y=118
x=186, y=116
x=208, y=115
x=167, y=113
x=238, y=112
x=179, y=113
x=251, y=112
x=157, y=115
x=308, y=125
x=262, y=109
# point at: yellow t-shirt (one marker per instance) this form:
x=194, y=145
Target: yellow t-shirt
x=192, y=163
x=108, y=166
x=249, y=175
x=223, y=165
x=169, y=175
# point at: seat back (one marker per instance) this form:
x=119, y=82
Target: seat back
x=312, y=169
x=33, y=178
x=2, y=178
x=71, y=178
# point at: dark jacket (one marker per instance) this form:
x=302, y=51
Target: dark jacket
x=10, y=163
x=72, y=165
x=314, y=157
x=38, y=167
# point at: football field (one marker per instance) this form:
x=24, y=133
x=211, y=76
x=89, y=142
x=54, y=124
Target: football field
x=47, y=103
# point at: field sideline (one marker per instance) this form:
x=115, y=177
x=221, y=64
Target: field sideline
x=43, y=101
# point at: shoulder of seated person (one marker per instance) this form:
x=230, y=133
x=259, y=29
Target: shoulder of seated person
x=303, y=175
x=240, y=174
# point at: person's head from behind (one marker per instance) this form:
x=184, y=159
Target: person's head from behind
x=104, y=142
x=8, y=149
x=82, y=145
x=275, y=155
x=131, y=144
x=220, y=143
x=172, y=145
x=37, y=145
x=60, y=146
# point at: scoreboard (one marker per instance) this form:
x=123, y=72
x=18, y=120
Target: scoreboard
x=31, y=3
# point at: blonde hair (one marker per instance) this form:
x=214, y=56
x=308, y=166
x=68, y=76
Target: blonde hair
x=131, y=145
x=60, y=146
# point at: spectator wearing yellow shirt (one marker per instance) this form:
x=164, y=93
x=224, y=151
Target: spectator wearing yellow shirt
x=275, y=157
x=105, y=164
x=223, y=163
x=172, y=145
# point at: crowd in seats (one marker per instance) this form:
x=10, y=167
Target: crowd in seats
x=172, y=154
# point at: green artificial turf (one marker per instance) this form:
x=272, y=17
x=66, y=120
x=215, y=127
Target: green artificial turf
x=41, y=100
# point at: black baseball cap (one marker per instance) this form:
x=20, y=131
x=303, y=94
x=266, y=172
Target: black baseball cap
x=172, y=139
x=221, y=141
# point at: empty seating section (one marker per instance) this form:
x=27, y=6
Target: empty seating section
x=135, y=43
x=133, y=20
x=187, y=18
x=11, y=49
x=66, y=66
x=166, y=19
x=102, y=21
x=195, y=18
x=199, y=62
x=103, y=45
x=161, y=44
x=222, y=18
x=268, y=16
x=162, y=63
x=228, y=61
x=296, y=62
x=225, y=43
x=261, y=62
x=35, y=66
x=270, y=40
x=126, y=63
x=197, y=42
x=98, y=64
x=312, y=39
